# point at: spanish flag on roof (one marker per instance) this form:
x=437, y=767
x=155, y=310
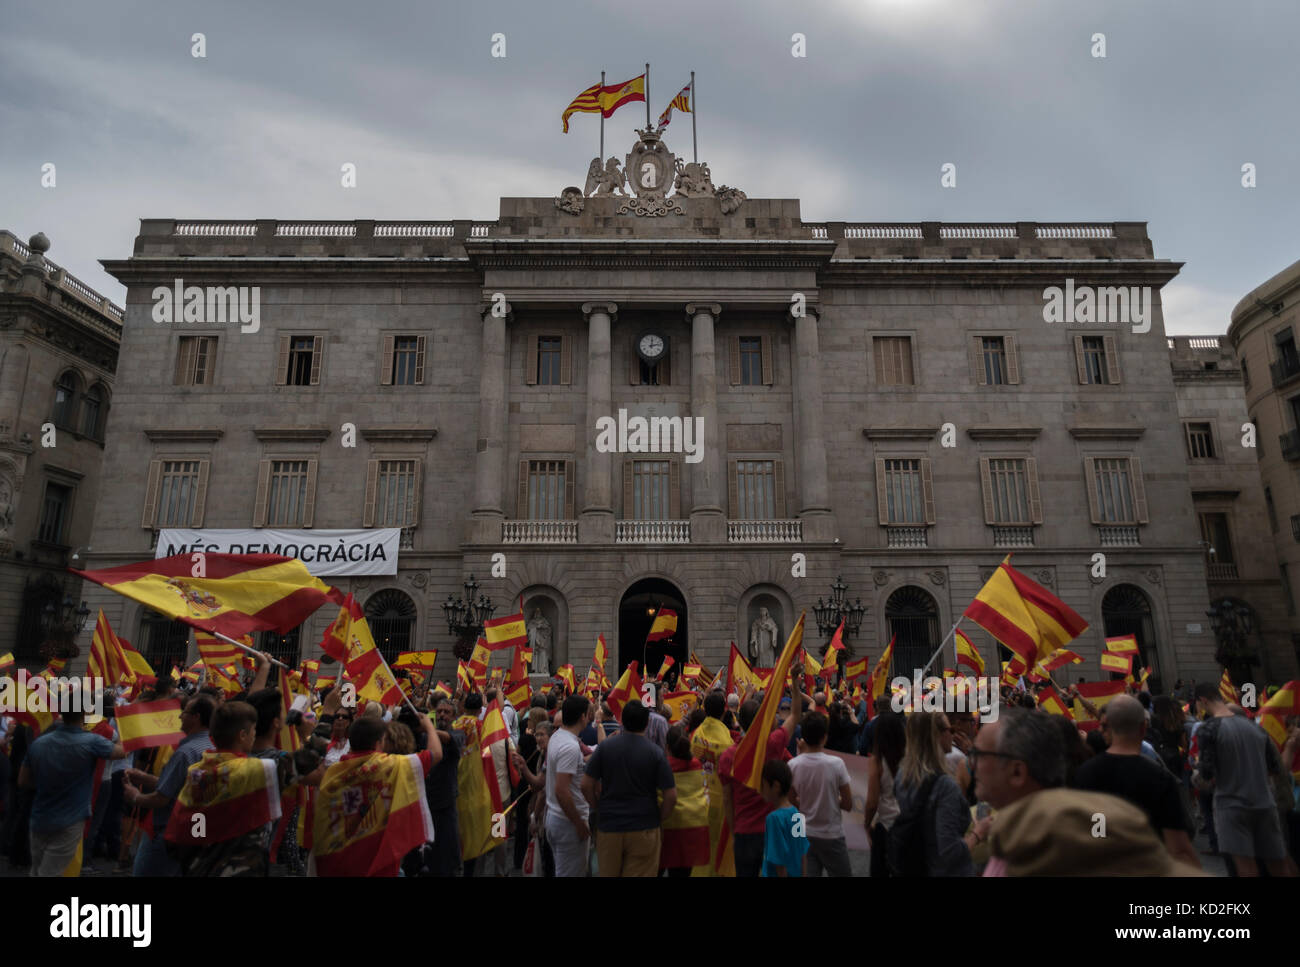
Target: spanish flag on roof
x=238, y=592
x=1024, y=615
x=605, y=100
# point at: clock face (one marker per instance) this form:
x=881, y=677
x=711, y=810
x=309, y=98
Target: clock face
x=651, y=346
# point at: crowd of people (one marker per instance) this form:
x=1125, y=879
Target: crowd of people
x=581, y=786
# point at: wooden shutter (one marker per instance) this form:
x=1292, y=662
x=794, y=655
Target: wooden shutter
x=1139, y=490
x=530, y=361
x=521, y=502
x=568, y=490
x=882, y=501
x=185, y=354
x=309, y=505
x=1081, y=367
x=674, y=490
x=420, y=343
x=734, y=354
x=733, y=490
x=1090, y=473
x=1112, y=359
x=566, y=360
x=634, y=369
x=766, y=342
x=263, y=489
x=282, y=363
x=986, y=484
x=317, y=347
x=200, y=494
x=418, y=502
x=665, y=367
x=386, y=364
x=1035, y=500
x=778, y=472
x=927, y=490
x=150, y=515
x=372, y=486
x=1013, y=360
x=977, y=362
x=629, y=471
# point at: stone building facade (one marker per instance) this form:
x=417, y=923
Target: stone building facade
x=59, y=344
x=881, y=402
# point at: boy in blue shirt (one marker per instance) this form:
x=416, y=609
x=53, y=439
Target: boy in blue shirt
x=786, y=842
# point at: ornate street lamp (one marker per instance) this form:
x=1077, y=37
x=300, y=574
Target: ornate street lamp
x=60, y=624
x=829, y=613
x=466, y=617
x=1233, y=623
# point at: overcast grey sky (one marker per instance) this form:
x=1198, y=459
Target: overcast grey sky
x=408, y=91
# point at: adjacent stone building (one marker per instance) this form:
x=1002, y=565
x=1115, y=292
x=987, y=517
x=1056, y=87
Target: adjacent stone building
x=58, y=351
x=881, y=402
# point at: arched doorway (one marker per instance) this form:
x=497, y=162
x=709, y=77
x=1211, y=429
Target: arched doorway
x=636, y=612
x=912, y=617
x=391, y=616
x=162, y=641
x=1126, y=610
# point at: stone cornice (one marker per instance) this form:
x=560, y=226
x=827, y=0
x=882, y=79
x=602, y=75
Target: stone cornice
x=196, y=434
x=398, y=434
x=899, y=432
x=641, y=253
x=225, y=270
x=1037, y=272
x=1216, y=494
x=291, y=434
x=1003, y=432
x=1107, y=432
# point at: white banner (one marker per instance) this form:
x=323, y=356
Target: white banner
x=325, y=552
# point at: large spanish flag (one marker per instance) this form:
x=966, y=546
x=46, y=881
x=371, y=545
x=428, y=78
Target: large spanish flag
x=710, y=740
x=625, y=690
x=145, y=725
x=370, y=812
x=237, y=594
x=507, y=632
x=605, y=100
x=968, y=654
x=664, y=625
x=234, y=793
x=748, y=766
x=678, y=705
x=474, y=798
x=686, y=830
x=1024, y=615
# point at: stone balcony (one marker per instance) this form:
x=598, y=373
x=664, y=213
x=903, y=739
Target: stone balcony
x=652, y=532
x=764, y=531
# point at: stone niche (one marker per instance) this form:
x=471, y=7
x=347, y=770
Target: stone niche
x=553, y=610
x=752, y=603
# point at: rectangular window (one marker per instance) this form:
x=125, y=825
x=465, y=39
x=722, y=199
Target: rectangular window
x=751, y=361
x=1286, y=589
x=649, y=373
x=548, y=360
x=54, y=513
x=1094, y=360
x=1009, y=491
x=650, y=490
x=993, y=358
x=1286, y=351
x=1200, y=441
x=302, y=353
x=546, y=492
x=904, y=492
x=1214, y=532
x=893, y=357
x=755, y=490
x=195, y=356
x=1271, y=507
x=396, y=493
x=178, y=488
x=408, y=361
x=1114, y=491
x=287, y=501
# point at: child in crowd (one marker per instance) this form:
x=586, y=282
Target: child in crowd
x=786, y=842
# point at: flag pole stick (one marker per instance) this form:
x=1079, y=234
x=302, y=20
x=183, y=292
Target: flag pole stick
x=939, y=650
x=647, y=96
x=601, y=157
x=695, y=151
x=252, y=651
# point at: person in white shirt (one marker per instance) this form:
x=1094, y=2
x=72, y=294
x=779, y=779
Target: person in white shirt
x=821, y=783
x=566, y=807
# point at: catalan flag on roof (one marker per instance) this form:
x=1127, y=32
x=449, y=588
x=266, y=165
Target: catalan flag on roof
x=682, y=102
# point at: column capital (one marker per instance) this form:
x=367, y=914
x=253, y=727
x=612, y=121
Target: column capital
x=609, y=308
x=486, y=309
x=695, y=308
x=811, y=311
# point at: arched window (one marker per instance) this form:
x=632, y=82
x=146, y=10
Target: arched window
x=391, y=616
x=65, y=400
x=1125, y=610
x=163, y=642
x=92, y=412
x=913, y=619
x=282, y=647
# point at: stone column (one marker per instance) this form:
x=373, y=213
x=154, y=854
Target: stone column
x=708, y=479
x=814, y=486
x=596, y=521
x=490, y=461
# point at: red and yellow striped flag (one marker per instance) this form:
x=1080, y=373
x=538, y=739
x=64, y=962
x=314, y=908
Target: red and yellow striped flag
x=664, y=625
x=856, y=669
x=216, y=653
x=669, y=662
x=1062, y=656
x=235, y=794
x=880, y=675
x=682, y=102
x=1049, y=700
x=1274, y=713
x=605, y=100
x=680, y=704
x=748, y=766
x=1024, y=615
x=602, y=653
x=967, y=654
x=237, y=593
x=739, y=674
x=7, y=660
x=145, y=725
x=507, y=632
x=466, y=677
x=570, y=677
x=479, y=660
x=1122, y=645
x=1119, y=664
x=1099, y=694
x=350, y=637
x=830, y=661
x=1228, y=691
x=627, y=689
x=107, y=655
x=416, y=659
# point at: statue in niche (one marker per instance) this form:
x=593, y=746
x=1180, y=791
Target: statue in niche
x=539, y=640
x=764, y=640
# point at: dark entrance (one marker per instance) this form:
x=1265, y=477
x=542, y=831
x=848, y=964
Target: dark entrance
x=636, y=612
x=913, y=619
x=1125, y=610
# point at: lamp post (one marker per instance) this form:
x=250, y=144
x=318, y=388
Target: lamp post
x=1233, y=622
x=60, y=625
x=829, y=613
x=466, y=617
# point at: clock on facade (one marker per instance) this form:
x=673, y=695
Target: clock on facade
x=651, y=346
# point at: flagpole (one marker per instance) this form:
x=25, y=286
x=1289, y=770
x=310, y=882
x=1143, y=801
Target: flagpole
x=252, y=651
x=647, y=96
x=951, y=632
x=601, y=156
x=695, y=151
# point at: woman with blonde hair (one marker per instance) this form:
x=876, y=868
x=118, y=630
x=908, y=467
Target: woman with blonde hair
x=399, y=739
x=932, y=805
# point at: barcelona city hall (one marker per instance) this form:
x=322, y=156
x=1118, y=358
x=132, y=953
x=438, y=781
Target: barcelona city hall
x=656, y=392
